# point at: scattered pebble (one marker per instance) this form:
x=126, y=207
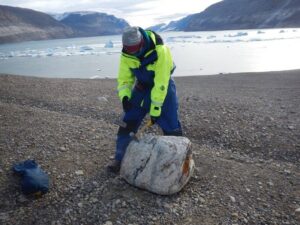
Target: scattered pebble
x=79, y=172
x=239, y=133
x=232, y=199
x=235, y=215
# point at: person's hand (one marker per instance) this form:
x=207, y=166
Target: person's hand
x=126, y=104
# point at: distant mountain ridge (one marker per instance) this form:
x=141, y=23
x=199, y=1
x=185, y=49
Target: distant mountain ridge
x=20, y=24
x=88, y=23
x=241, y=14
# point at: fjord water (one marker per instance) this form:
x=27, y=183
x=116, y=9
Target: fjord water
x=195, y=53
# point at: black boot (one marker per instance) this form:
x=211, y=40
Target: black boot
x=114, y=166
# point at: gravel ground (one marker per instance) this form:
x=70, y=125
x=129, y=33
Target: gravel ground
x=245, y=130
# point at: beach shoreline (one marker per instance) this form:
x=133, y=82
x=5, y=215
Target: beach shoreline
x=245, y=130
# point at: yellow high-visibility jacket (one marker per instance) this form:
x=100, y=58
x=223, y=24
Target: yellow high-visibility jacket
x=162, y=68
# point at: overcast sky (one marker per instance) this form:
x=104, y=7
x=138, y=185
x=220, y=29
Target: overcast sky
x=142, y=13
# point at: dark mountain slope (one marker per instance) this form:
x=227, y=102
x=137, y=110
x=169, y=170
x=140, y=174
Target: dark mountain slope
x=242, y=14
x=18, y=24
x=94, y=23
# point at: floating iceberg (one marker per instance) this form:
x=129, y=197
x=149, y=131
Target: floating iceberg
x=109, y=44
x=85, y=48
x=49, y=52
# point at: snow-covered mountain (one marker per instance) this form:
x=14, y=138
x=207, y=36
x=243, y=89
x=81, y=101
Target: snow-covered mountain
x=241, y=14
x=61, y=16
x=158, y=27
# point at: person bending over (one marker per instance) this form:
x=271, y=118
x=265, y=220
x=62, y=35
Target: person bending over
x=145, y=86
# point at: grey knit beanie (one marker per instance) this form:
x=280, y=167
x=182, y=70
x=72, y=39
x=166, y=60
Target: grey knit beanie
x=131, y=36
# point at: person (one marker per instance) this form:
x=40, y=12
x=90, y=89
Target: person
x=145, y=86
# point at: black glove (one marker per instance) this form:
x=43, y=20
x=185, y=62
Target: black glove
x=126, y=104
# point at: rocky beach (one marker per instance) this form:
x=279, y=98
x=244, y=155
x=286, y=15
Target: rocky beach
x=245, y=134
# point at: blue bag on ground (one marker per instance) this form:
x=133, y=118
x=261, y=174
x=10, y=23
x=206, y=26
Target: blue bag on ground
x=34, y=179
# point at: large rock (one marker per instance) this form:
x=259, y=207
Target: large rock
x=159, y=164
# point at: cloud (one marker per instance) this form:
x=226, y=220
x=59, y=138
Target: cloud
x=136, y=12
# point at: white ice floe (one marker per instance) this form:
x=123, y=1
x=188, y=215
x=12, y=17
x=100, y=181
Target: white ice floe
x=239, y=34
x=113, y=46
x=49, y=52
x=85, y=48
x=211, y=37
x=109, y=44
x=112, y=52
x=183, y=38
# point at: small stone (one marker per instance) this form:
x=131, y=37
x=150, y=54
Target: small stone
x=22, y=199
x=202, y=200
x=287, y=172
x=79, y=172
x=102, y=99
x=167, y=206
x=232, y=199
x=124, y=204
x=4, y=217
x=153, y=218
x=108, y=223
x=235, y=215
x=297, y=211
x=62, y=149
x=80, y=205
x=68, y=211
x=94, y=200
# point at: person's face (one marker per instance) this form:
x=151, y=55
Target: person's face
x=133, y=50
